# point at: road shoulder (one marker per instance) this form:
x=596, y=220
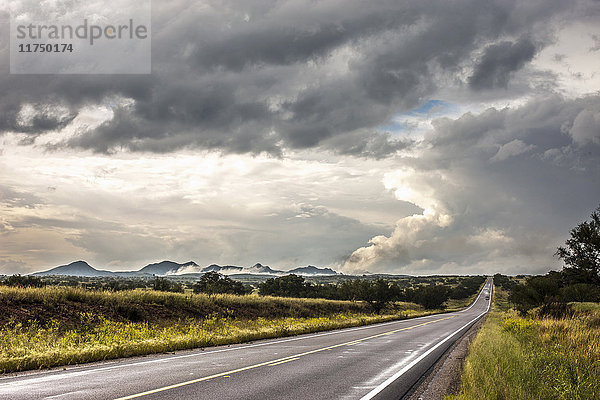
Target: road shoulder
x=444, y=377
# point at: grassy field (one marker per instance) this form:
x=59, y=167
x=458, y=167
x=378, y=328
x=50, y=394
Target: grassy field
x=64, y=303
x=534, y=358
x=53, y=326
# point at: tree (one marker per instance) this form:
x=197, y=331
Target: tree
x=467, y=287
x=535, y=292
x=285, y=286
x=214, y=283
x=377, y=293
x=580, y=292
x=164, y=285
x=504, y=282
x=432, y=296
x=581, y=252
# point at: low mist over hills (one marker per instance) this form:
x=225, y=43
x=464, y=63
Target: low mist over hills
x=165, y=267
x=170, y=268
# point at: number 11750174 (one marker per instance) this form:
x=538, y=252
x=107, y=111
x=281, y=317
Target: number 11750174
x=45, y=48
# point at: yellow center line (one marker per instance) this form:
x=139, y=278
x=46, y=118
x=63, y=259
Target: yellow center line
x=273, y=362
x=284, y=361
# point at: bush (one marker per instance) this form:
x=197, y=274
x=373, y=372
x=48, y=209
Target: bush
x=285, y=286
x=555, y=308
x=432, y=296
x=580, y=292
x=504, y=282
x=517, y=326
x=215, y=283
x=535, y=292
x=165, y=285
x=377, y=293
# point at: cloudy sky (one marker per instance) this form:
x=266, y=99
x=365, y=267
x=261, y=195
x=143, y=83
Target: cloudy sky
x=393, y=136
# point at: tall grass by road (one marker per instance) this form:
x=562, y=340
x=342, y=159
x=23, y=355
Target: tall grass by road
x=534, y=358
x=47, y=327
x=96, y=338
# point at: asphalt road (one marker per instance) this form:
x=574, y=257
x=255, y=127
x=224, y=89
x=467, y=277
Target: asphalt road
x=381, y=361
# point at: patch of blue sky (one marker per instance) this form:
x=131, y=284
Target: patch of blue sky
x=414, y=120
x=432, y=106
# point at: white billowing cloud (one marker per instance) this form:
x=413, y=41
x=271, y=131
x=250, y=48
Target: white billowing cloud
x=421, y=193
x=586, y=128
x=491, y=216
x=510, y=149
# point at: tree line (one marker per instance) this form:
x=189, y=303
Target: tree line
x=376, y=292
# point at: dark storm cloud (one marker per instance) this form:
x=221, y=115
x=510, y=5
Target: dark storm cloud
x=547, y=171
x=43, y=121
x=263, y=76
x=364, y=144
x=281, y=36
x=499, y=61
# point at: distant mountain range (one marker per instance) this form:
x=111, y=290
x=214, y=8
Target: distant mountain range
x=170, y=268
x=77, y=268
x=310, y=270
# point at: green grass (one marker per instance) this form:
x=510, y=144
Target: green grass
x=47, y=327
x=534, y=358
x=585, y=306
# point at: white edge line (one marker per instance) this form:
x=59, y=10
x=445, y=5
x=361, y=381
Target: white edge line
x=398, y=374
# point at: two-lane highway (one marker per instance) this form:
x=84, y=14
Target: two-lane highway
x=376, y=361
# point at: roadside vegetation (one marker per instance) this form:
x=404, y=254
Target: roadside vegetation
x=542, y=338
x=48, y=325
x=534, y=357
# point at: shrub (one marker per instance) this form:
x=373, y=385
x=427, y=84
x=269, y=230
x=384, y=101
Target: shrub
x=285, y=286
x=165, y=285
x=580, y=292
x=517, y=326
x=215, y=283
x=432, y=296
